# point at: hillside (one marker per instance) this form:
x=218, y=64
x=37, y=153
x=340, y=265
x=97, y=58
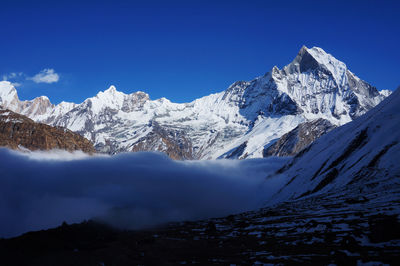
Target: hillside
x=19, y=132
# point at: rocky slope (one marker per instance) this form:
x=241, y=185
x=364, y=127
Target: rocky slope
x=171, y=142
x=297, y=139
x=333, y=230
x=18, y=131
x=248, y=115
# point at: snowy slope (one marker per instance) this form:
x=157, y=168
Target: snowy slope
x=361, y=157
x=248, y=114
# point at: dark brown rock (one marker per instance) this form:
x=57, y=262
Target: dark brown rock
x=17, y=130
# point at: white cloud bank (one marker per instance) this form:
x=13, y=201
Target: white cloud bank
x=47, y=75
x=133, y=190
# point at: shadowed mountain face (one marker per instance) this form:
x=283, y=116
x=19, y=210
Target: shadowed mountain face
x=173, y=143
x=297, y=139
x=315, y=85
x=17, y=130
x=357, y=158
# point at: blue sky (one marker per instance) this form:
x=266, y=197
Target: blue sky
x=183, y=50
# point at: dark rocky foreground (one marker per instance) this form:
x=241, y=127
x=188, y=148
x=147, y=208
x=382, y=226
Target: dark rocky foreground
x=318, y=230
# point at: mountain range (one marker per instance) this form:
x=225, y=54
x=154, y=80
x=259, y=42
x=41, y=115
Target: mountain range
x=246, y=120
x=339, y=203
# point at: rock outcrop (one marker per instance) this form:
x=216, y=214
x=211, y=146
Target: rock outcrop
x=171, y=142
x=297, y=139
x=17, y=131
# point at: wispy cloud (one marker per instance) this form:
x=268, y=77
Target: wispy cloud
x=47, y=75
x=12, y=77
x=39, y=190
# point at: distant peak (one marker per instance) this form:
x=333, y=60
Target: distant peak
x=303, y=49
x=6, y=86
x=314, y=49
x=43, y=97
x=7, y=92
x=314, y=58
x=142, y=94
x=111, y=89
x=385, y=93
x=315, y=52
x=304, y=61
x=275, y=69
x=318, y=52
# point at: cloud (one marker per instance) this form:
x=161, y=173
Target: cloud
x=14, y=76
x=133, y=190
x=16, y=84
x=47, y=75
x=55, y=155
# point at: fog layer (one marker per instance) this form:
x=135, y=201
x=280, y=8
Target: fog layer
x=134, y=190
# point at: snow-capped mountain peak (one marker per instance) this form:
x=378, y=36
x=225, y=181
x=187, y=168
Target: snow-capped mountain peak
x=8, y=94
x=116, y=100
x=111, y=93
x=110, y=98
x=9, y=99
x=111, y=89
x=248, y=115
x=316, y=59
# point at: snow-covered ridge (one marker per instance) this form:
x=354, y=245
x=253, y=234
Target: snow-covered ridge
x=361, y=156
x=315, y=85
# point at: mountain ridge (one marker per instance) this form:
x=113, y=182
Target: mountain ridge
x=360, y=156
x=314, y=85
